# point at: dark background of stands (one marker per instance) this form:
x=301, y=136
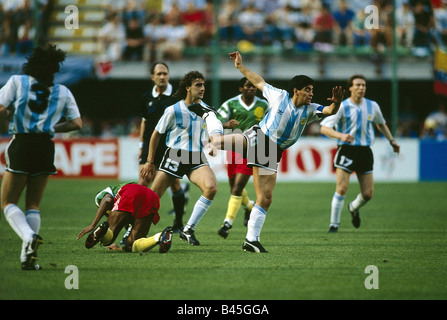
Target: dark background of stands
x=121, y=98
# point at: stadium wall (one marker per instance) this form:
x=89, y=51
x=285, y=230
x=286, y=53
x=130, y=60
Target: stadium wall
x=309, y=160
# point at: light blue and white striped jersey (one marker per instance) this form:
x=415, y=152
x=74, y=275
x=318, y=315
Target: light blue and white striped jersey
x=357, y=121
x=184, y=129
x=17, y=94
x=284, y=123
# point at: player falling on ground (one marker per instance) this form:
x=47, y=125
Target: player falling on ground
x=123, y=204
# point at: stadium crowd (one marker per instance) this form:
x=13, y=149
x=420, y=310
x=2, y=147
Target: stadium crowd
x=301, y=25
x=132, y=31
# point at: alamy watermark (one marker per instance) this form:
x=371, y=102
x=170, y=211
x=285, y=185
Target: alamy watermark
x=372, y=280
x=72, y=20
x=371, y=19
x=72, y=280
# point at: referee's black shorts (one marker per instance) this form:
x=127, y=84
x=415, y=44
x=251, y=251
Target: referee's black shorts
x=31, y=154
x=354, y=158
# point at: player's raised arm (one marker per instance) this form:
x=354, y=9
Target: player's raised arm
x=336, y=99
x=253, y=77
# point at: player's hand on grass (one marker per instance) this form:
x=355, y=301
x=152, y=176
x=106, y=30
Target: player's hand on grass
x=87, y=229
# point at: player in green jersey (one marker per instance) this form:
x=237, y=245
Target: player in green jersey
x=240, y=113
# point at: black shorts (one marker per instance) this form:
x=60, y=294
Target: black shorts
x=354, y=158
x=159, y=153
x=261, y=151
x=180, y=162
x=31, y=154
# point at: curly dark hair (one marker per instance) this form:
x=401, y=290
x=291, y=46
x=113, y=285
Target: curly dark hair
x=186, y=81
x=299, y=82
x=43, y=63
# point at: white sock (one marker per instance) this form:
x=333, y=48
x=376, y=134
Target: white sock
x=198, y=212
x=213, y=125
x=358, y=202
x=257, y=218
x=33, y=219
x=17, y=221
x=336, y=208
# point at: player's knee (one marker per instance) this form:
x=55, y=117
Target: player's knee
x=367, y=195
x=341, y=189
x=210, y=192
x=265, y=201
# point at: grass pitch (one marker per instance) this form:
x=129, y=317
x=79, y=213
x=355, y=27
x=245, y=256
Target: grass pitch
x=403, y=234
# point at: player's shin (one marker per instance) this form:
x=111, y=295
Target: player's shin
x=108, y=238
x=145, y=244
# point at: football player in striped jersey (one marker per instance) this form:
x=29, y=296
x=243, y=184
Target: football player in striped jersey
x=240, y=113
x=288, y=114
x=37, y=109
x=353, y=126
x=184, y=138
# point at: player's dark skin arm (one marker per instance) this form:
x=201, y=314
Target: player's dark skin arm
x=148, y=170
x=105, y=205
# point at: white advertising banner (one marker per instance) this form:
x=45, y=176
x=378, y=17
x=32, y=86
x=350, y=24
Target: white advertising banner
x=310, y=159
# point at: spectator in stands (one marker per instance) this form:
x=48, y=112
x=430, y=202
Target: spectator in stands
x=252, y=24
x=283, y=23
x=423, y=24
x=192, y=18
x=209, y=16
x=229, y=29
x=112, y=37
x=134, y=9
x=361, y=35
x=405, y=25
x=114, y=7
x=7, y=41
x=174, y=13
x=323, y=25
x=172, y=45
x=155, y=32
x=304, y=32
x=440, y=16
x=182, y=4
x=25, y=38
x=381, y=36
x=343, y=16
x=435, y=125
x=134, y=41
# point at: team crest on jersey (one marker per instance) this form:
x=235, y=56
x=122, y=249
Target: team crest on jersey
x=369, y=117
x=303, y=121
x=259, y=112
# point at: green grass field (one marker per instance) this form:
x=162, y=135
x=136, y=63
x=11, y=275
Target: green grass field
x=403, y=234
